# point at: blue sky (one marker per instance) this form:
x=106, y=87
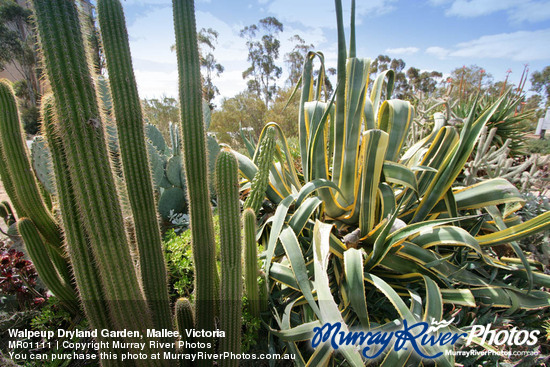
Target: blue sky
x=428, y=34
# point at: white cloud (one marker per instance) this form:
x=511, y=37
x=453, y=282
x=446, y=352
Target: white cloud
x=314, y=13
x=438, y=52
x=230, y=83
x=151, y=36
x=531, y=12
x=518, y=11
x=439, y=2
x=402, y=50
x=470, y=8
x=145, y=2
x=517, y=46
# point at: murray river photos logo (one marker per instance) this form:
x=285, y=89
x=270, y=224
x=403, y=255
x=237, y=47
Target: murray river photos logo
x=426, y=340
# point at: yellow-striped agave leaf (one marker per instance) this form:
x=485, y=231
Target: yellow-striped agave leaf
x=347, y=131
x=453, y=166
x=375, y=143
x=395, y=118
x=517, y=232
x=328, y=309
x=353, y=264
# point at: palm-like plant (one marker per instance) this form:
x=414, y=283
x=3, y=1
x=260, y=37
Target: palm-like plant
x=414, y=241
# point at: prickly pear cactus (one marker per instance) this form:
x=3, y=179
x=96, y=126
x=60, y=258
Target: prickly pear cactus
x=167, y=171
x=167, y=167
x=42, y=163
x=155, y=138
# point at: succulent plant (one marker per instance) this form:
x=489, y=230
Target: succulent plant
x=491, y=161
x=227, y=180
x=196, y=167
x=87, y=182
x=251, y=262
x=379, y=232
x=167, y=168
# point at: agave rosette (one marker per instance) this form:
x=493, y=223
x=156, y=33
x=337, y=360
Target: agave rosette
x=415, y=242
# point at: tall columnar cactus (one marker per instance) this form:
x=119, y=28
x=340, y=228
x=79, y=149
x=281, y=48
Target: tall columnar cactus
x=227, y=185
x=24, y=188
x=251, y=261
x=261, y=178
x=129, y=120
x=184, y=320
x=43, y=263
x=194, y=142
x=82, y=137
x=85, y=272
x=8, y=183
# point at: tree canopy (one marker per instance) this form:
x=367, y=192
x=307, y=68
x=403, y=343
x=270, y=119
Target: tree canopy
x=263, y=51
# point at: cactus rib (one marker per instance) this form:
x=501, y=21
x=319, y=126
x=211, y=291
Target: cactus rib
x=85, y=271
x=184, y=321
x=251, y=262
x=44, y=266
x=133, y=150
x=261, y=178
x=227, y=185
x=202, y=232
x=87, y=157
x=19, y=168
x=26, y=193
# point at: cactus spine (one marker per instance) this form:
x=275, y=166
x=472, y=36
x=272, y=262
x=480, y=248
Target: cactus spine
x=85, y=271
x=252, y=206
x=261, y=178
x=184, y=316
x=250, y=261
x=82, y=137
x=8, y=183
x=184, y=321
x=129, y=119
x=202, y=232
x=44, y=265
x=28, y=201
x=23, y=188
x=227, y=185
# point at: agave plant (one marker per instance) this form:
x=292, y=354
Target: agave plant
x=509, y=118
x=369, y=235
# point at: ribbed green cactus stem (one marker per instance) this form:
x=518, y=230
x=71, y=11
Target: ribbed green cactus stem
x=194, y=142
x=18, y=165
x=7, y=212
x=76, y=240
x=261, y=178
x=185, y=320
x=3, y=211
x=87, y=157
x=227, y=186
x=8, y=184
x=26, y=190
x=251, y=262
x=184, y=316
x=133, y=149
x=36, y=249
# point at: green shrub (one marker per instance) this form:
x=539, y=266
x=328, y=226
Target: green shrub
x=537, y=146
x=179, y=258
x=31, y=120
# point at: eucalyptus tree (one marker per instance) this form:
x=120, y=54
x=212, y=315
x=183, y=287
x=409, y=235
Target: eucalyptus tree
x=263, y=51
